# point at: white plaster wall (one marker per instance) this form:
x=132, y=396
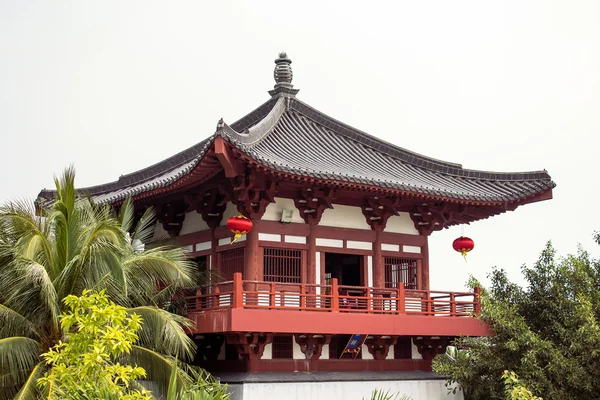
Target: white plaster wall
x=268, y=352
x=401, y=224
x=365, y=353
x=325, y=352
x=298, y=354
x=344, y=217
x=159, y=232
x=230, y=211
x=348, y=390
x=193, y=222
x=415, y=352
x=273, y=211
x=236, y=390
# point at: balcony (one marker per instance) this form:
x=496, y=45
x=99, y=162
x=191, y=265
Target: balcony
x=256, y=306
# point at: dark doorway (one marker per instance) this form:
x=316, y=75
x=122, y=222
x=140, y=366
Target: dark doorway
x=347, y=268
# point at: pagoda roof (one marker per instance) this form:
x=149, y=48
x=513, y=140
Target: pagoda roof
x=287, y=136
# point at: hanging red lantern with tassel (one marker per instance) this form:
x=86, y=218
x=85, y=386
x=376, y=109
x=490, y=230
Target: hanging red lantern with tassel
x=463, y=245
x=239, y=225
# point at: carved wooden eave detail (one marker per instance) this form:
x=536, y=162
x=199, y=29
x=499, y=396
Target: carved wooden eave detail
x=429, y=347
x=311, y=345
x=250, y=346
x=312, y=202
x=251, y=192
x=210, y=204
x=171, y=216
x=379, y=345
x=209, y=346
x=429, y=217
x=378, y=210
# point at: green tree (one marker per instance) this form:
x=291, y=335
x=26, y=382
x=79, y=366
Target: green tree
x=547, y=332
x=87, y=366
x=74, y=245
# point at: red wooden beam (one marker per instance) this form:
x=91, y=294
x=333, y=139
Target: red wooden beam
x=225, y=157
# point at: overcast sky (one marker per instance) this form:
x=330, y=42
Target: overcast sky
x=115, y=86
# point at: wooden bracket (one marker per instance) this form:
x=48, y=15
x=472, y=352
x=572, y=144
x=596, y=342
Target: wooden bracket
x=378, y=210
x=312, y=202
x=311, y=345
x=429, y=347
x=208, y=203
x=379, y=345
x=250, y=346
x=209, y=346
x=171, y=216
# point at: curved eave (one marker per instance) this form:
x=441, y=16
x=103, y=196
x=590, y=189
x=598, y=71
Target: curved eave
x=208, y=167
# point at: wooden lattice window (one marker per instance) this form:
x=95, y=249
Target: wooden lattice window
x=282, y=347
x=282, y=265
x=403, y=348
x=231, y=261
x=400, y=270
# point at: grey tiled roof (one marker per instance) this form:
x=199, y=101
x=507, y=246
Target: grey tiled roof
x=287, y=135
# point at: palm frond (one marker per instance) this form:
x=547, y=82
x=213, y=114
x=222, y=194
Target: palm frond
x=30, y=390
x=158, y=367
x=14, y=324
x=162, y=264
x=18, y=356
x=126, y=215
x=164, y=332
x=30, y=292
x=144, y=229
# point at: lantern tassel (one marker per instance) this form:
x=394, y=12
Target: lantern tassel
x=236, y=236
x=464, y=254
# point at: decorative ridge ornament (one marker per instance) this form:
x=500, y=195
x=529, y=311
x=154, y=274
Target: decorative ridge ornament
x=283, y=77
x=463, y=245
x=239, y=225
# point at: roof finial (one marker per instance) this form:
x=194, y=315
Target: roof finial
x=283, y=76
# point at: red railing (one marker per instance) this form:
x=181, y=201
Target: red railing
x=333, y=298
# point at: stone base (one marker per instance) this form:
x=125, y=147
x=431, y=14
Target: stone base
x=418, y=385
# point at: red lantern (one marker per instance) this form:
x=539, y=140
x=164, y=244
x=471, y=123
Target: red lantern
x=463, y=245
x=239, y=225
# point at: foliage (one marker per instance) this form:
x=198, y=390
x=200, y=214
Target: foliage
x=381, y=395
x=547, y=333
x=73, y=245
x=514, y=389
x=205, y=387
x=87, y=365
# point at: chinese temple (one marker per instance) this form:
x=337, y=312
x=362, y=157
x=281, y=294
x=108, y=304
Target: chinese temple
x=333, y=276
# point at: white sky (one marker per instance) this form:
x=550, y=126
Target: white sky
x=115, y=86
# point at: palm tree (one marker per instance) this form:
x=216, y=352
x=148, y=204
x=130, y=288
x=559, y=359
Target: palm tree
x=75, y=245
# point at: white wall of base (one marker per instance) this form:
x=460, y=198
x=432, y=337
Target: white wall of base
x=348, y=390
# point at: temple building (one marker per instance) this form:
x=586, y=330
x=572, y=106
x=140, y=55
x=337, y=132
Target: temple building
x=333, y=278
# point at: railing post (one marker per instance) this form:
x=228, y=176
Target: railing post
x=369, y=299
x=428, y=300
x=477, y=300
x=198, y=301
x=272, y=295
x=216, y=299
x=452, y=305
x=238, y=290
x=302, y=296
x=335, y=297
x=401, y=299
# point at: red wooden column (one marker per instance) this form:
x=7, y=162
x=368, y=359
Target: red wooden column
x=251, y=257
x=378, y=267
x=425, y=276
x=311, y=265
x=214, y=242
